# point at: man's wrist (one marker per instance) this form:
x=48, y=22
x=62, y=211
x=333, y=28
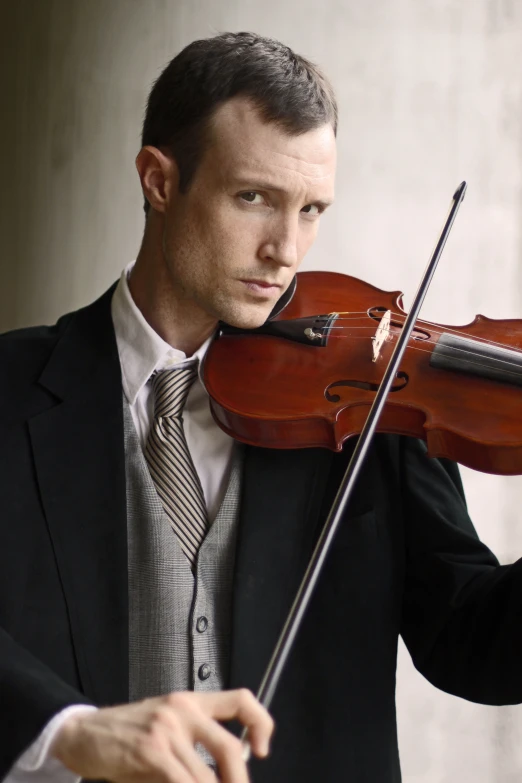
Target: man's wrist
x=41, y=751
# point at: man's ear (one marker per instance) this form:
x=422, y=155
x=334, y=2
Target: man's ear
x=159, y=176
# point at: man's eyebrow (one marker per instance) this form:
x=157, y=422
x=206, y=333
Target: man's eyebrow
x=256, y=184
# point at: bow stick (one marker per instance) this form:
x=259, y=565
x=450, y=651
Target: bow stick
x=291, y=627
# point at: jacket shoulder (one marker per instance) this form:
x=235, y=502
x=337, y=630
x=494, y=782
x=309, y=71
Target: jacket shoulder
x=24, y=352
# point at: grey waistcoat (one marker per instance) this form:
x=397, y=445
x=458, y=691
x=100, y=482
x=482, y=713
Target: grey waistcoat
x=179, y=624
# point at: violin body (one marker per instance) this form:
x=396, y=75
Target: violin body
x=459, y=388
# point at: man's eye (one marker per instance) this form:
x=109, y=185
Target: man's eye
x=311, y=209
x=251, y=197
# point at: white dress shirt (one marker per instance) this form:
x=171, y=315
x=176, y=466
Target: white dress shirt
x=142, y=352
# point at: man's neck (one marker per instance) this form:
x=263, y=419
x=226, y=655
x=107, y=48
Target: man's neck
x=178, y=321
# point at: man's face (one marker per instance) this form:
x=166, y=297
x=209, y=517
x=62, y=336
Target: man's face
x=234, y=241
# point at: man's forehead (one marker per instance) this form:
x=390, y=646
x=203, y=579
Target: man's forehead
x=242, y=139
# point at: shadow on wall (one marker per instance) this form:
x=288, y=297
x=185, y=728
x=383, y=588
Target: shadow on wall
x=65, y=152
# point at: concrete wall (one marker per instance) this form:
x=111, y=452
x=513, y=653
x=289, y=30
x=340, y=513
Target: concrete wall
x=430, y=94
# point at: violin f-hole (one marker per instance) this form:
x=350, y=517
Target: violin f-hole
x=402, y=381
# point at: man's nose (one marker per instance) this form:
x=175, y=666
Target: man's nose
x=281, y=243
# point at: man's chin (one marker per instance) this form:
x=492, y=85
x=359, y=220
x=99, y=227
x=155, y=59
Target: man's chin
x=249, y=318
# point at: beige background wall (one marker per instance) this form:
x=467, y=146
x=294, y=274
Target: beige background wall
x=430, y=94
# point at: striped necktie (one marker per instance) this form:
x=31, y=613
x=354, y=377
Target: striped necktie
x=170, y=463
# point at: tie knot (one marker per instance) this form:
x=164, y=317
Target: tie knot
x=171, y=388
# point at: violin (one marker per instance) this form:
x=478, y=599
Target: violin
x=309, y=376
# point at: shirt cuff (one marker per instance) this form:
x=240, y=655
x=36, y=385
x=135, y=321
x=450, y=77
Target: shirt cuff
x=37, y=758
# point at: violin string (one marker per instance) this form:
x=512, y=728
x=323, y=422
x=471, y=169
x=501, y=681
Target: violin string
x=433, y=342
x=429, y=341
x=454, y=349
x=459, y=333
x=478, y=364
x=436, y=330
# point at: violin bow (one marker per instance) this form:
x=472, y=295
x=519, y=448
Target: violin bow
x=297, y=611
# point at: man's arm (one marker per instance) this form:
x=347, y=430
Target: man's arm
x=30, y=695
x=149, y=740
x=36, y=764
x=462, y=616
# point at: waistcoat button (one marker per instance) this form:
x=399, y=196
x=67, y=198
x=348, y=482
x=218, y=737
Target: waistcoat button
x=202, y=624
x=204, y=671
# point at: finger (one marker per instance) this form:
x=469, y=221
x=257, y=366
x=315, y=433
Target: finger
x=226, y=749
x=184, y=752
x=172, y=771
x=242, y=705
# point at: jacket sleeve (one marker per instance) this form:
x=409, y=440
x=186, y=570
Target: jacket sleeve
x=30, y=695
x=462, y=611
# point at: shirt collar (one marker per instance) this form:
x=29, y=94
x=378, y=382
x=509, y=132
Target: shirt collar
x=141, y=350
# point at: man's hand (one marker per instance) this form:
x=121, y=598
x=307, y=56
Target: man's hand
x=153, y=740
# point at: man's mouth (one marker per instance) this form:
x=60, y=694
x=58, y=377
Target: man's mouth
x=265, y=287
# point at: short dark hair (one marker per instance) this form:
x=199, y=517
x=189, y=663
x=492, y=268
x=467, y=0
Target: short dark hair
x=286, y=88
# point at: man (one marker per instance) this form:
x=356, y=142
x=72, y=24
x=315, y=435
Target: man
x=147, y=558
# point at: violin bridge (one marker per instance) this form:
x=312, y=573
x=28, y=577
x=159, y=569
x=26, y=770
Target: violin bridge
x=381, y=335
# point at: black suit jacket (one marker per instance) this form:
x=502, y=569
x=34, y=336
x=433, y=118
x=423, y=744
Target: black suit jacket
x=406, y=560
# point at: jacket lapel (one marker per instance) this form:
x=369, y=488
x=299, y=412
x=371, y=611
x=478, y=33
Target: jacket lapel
x=282, y=498
x=80, y=465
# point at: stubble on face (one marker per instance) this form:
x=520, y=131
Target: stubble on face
x=202, y=262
